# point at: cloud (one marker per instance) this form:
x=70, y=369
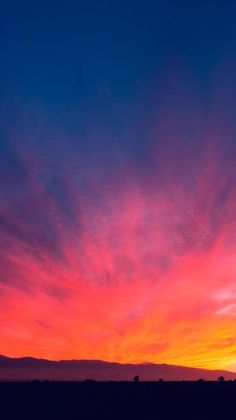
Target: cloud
x=122, y=261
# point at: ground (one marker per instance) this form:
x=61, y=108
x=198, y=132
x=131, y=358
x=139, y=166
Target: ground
x=117, y=400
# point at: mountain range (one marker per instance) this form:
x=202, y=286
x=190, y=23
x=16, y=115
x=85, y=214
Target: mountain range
x=28, y=369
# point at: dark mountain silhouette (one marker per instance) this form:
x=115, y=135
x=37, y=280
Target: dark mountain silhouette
x=27, y=368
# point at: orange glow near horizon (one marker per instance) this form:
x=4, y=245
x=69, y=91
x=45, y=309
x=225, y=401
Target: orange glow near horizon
x=148, y=276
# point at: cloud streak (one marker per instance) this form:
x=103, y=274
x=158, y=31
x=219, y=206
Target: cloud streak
x=109, y=258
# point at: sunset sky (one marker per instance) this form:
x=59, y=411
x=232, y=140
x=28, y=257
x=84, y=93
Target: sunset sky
x=118, y=181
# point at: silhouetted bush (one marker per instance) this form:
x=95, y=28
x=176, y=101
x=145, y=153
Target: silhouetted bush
x=90, y=381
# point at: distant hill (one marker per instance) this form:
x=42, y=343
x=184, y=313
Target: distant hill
x=27, y=369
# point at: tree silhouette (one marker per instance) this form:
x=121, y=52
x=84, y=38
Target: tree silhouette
x=136, y=378
x=221, y=379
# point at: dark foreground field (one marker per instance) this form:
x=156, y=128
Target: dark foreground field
x=118, y=400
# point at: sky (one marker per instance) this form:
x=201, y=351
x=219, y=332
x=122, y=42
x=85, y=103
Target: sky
x=118, y=181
